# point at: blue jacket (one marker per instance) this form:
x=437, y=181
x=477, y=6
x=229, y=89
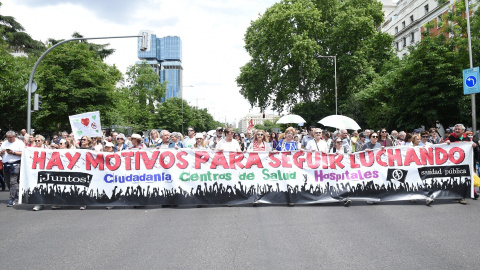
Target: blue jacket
x=171, y=144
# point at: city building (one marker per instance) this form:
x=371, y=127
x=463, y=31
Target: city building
x=406, y=22
x=257, y=119
x=165, y=56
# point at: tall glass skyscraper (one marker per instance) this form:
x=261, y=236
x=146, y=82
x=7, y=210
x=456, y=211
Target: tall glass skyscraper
x=165, y=56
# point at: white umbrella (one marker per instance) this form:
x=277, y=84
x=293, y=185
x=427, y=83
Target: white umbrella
x=339, y=122
x=291, y=119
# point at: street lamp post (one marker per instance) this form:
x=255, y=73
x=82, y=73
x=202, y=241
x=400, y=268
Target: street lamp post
x=335, y=62
x=30, y=80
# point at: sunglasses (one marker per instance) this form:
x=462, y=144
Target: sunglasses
x=383, y=131
x=190, y=130
x=339, y=142
x=318, y=132
x=83, y=139
x=37, y=141
x=260, y=134
x=424, y=136
x=374, y=136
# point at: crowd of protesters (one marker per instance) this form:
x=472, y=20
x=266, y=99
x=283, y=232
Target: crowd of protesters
x=225, y=139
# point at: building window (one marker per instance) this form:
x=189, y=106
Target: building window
x=411, y=19
x=439, y=21
x=396, y=45
x=396, y=29
x=403, y=24
x=404, y=42
x=426, y=9
x=412, y=38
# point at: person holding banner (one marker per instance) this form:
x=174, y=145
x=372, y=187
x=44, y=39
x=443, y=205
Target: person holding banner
x=260, y=142
x=228, y=143
x=339, y=148
x=136, y=142
x=165, y=142
x=11, y=152
x=317, y=144
x=288, y=144
x=176, y=137
x=154, y=138
x=373, y=143
x=199, y=142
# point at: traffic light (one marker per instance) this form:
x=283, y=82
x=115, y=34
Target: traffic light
x=37, y=102
x=144, y=41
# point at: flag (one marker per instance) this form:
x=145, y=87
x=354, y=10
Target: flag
x=86, y=124
x=250, y=124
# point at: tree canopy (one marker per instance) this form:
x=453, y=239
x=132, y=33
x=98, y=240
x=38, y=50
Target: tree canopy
x=288, y=43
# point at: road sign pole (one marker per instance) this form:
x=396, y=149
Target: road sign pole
x=474, y=114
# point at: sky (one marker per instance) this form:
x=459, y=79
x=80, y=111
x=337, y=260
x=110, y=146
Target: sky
x=212, y=33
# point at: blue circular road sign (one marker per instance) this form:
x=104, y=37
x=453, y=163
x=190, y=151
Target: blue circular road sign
x=471, y=81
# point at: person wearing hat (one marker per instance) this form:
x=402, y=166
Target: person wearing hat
x=166, y=142
x=448, y=131
x=199, y=142
x=108, y=147
x=136, y=142
x=416, y=132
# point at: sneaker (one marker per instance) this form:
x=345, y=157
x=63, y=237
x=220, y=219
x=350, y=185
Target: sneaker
x=11, y=203
x=83, y=207
x=429, y=201
x=37, y=207
x=475, y=196
x=347, y=202
x=462, y=201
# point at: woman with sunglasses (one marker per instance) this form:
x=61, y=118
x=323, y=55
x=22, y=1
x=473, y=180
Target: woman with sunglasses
x=384, y=140
x=86, y=143
x=237, y=137
x=317, y=144
x=338, y=148
x=39, y=141
x=199, y=142
x=260, y=143
x=120, y=145
x=373, y=143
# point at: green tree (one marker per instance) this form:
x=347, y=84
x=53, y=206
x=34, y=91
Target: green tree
x=286, y=45
x=100, y=49
x=138, y=101
x=14, y=73
x=12, y=32
x=426, y=85
x=73, y=79
x=170, y=116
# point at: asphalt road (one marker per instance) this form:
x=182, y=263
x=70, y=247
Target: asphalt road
x=400, y=235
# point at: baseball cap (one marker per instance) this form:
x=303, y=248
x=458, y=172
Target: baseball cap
x=416, y=130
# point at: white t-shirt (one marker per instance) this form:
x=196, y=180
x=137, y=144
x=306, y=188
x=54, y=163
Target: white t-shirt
x=228, y=146
x=16, y=146
x=321, y=146
x=188, y=142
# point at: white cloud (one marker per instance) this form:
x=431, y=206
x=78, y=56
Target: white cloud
x=212, y=33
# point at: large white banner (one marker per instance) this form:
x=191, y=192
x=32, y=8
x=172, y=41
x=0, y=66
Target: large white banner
x=86, y=124
x=184, y=176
